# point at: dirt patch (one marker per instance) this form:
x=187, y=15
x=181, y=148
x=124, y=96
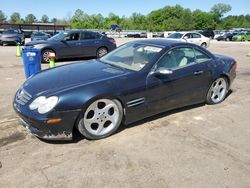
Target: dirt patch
x=17, y=136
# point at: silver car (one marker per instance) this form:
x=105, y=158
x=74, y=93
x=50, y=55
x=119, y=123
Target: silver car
x=12, y=36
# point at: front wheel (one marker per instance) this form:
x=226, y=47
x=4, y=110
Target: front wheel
x=101, y=52
x=101, y=119
x=45, y=55
x=217, y=91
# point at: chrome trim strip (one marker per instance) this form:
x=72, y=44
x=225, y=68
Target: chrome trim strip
x=136, y=104
x=135, y=100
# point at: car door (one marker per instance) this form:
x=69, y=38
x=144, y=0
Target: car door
x=196, y=39
x=184, y=86
x=90, y=42
x=70, y=45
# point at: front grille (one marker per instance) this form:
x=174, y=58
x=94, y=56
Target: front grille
x=22, y=97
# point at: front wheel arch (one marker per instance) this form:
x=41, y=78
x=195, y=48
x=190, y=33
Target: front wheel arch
x=81, y=118
x=89, y=102
x=204, y=44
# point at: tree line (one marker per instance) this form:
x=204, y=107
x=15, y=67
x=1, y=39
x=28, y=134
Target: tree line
x=168, y=18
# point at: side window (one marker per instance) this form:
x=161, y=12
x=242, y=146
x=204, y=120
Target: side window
x=88, y=35
x=188, y=35
x=196, y=35
x=200, y=56
x=177, y=58
x=72, y=37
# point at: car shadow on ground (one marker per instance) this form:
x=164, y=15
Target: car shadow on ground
x=78, y=137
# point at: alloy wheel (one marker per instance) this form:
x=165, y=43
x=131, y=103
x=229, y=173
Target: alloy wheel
x=218, y=90
x=101, y=52
x=101, y=119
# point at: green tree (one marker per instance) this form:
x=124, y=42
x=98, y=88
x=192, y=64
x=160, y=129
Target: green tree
x=138, y=21
x=170, y=18
x=45, y=19
x=79, y=20
x=219, y=10
x=3, y=18
x=111, y=20
x=15, y=18
x=54, y=20
x=30, y=18
x=203, y=20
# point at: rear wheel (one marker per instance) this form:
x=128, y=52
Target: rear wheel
x=45, y=54
x=101, y=52
x=217, y=91
x=101, y=119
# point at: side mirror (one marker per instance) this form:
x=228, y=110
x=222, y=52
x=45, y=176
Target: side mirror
x=63, y=41
x=162, y=72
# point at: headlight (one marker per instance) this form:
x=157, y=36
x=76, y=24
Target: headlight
x=43, y=104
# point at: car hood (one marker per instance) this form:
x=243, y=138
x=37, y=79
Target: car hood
x=62, y=78
x=33, y=43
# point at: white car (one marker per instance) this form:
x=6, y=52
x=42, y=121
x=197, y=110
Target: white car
x=191, y=37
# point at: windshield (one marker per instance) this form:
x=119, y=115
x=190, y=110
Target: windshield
x=11, y=31
x=175, y=36
x=38, y=34
x=58, y=36
x=132, y=56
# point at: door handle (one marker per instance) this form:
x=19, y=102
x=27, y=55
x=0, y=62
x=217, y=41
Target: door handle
x=96, y=42
x=198, y=73
x=78, y=44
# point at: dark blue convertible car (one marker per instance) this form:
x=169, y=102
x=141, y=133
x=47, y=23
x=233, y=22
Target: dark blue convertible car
x=137, y=80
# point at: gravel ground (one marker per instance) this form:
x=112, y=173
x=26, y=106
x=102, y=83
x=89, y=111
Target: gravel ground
x=198, y=146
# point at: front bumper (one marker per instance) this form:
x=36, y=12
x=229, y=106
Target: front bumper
x=39, y=127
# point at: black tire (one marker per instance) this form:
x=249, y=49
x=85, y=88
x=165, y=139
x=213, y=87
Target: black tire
x=204, y=45
x=101, y=52
x=44, y=55
x=221, y=91
x=94, y=124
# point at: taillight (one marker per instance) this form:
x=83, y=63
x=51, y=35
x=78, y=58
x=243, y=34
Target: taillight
x=112, y=40
x=234, y=67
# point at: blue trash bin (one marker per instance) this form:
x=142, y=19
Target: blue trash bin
x=31, y=60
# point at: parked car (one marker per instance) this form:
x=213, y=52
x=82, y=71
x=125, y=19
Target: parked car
x=191, y=37
x=12, y=36
x=137, y=80
x=243, y=36
x=137, y=35
x=225, y=37
x=74, y=43
x=207, y=33
x=27, y=34
x=39, y=36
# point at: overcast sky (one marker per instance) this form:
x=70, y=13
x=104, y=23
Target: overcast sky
x=64, y=8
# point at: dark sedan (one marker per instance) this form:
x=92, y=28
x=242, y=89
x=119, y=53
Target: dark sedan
x=74, y=44
x=135, y=81
x=39, y=36
x=226, y=37
x=12, y=36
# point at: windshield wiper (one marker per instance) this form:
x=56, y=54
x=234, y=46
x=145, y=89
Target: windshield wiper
x=111, y=64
